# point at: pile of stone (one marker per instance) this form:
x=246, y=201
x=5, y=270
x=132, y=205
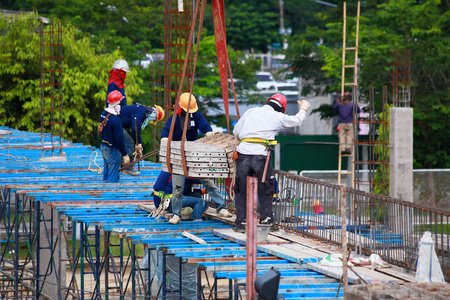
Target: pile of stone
x=208, y=157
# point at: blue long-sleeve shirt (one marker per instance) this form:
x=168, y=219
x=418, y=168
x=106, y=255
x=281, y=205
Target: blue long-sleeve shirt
x=112, y=134
x=128, y=114
x=198, y=122
x=164, y=184
x=345, y=111
x=113, y=87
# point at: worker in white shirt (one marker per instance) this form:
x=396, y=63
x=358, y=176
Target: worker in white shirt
x=256, y=130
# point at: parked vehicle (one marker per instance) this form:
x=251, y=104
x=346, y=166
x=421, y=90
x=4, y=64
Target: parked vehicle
x=266, y=81
x=287, y=87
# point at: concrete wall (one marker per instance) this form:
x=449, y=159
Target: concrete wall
x=313, y=125
x=401, y=153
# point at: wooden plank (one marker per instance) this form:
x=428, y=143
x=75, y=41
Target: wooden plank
x=163, y=152
x=194, y=147
x=179, y=171
x=199, y=164
x=369, y=275
x=241, y=238
x=198, y=158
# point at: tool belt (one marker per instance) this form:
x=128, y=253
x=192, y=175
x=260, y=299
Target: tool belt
x=263, y=142
x=107, y=143
x=259, y=141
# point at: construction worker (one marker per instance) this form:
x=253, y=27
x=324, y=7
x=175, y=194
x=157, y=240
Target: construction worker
x=344, y=106
x=256, y=130
x=195, y=122
x=112, y=147
x=116, y=79
x=192, y=197
x=136, y=118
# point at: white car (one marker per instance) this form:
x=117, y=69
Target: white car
x=287, y=87
x=266, y=81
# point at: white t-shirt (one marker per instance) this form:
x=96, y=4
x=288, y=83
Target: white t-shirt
x=263, y=122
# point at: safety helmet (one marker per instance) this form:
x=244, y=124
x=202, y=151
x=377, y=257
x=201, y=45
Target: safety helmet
x=115, y=96
x=121, y=64
x=184, y=100
x=159, y=113
x=280, y=99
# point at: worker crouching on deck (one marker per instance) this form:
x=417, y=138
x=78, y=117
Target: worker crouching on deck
x=192, y=197
x=112, y=147
x=195, y=122
x=136, y=117
x=256, y=130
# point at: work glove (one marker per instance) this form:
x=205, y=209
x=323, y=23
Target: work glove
x=139, y=149
x=304, y=105
x=125, y=160
x=203, y=191
x=209, y=133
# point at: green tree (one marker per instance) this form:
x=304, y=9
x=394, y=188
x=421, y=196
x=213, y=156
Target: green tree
x=393, y=25
x=133, y=26
x=84, y=80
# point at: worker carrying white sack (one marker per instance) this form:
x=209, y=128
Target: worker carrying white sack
x=256, y=130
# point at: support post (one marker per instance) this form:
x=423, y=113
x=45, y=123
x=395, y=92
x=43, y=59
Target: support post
x=344, y=237
x=252, y=193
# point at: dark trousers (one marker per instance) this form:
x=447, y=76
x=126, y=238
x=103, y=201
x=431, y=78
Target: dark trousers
x=253, y=165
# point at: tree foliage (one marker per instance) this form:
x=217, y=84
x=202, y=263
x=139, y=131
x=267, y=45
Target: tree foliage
x=423, y=29
x=85, y=79
x=134, y=27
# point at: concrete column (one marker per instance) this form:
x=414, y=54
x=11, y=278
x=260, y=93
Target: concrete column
x=401, y=153
x=52, y=254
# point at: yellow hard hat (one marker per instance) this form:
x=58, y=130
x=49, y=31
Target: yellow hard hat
x=184, y=100
x=159, y=114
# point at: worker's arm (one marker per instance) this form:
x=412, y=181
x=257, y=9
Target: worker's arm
x=202, y=124
x=165, y=131
x=237, y=127
x=297, y=120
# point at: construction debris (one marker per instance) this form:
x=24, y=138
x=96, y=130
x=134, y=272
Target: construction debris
x=208, y=157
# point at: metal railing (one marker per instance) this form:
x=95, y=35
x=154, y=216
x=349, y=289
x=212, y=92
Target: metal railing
x=431, y=186
x=377, y=224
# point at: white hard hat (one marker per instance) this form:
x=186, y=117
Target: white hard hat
x=121, y=64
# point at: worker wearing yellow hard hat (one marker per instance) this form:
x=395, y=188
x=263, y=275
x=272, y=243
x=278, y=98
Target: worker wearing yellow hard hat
x=135, y=118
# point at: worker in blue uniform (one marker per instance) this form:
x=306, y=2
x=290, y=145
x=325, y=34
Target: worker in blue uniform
x=116, y=79
x=112, y=147
x=136, y=117
x=195, y=122
x=191, y=196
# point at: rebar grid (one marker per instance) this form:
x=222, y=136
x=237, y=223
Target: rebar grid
x=371, y=166
x=377, y=224
x=177, y=25
x=51, y=59
x=401, y=78
x=157, y=99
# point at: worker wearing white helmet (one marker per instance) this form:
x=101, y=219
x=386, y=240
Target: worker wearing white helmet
x=116, y=79
x=256, y=130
